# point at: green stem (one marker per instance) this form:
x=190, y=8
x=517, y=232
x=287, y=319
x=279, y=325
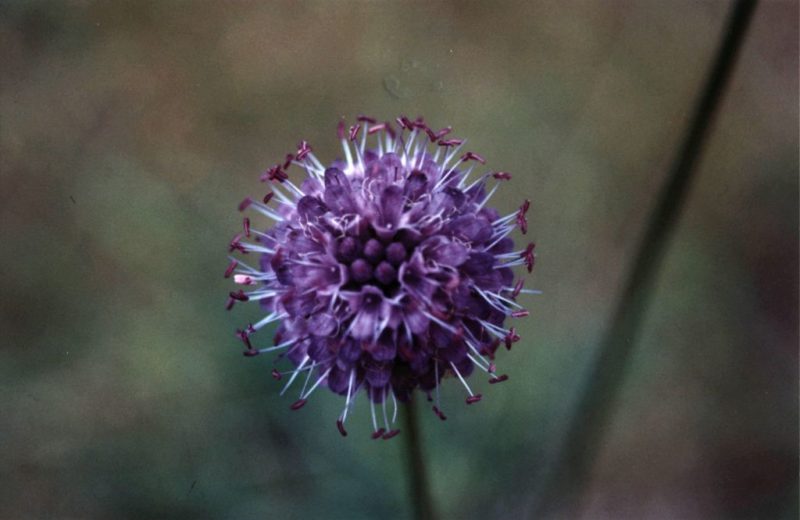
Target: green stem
x=582, y=440
x=419, y=489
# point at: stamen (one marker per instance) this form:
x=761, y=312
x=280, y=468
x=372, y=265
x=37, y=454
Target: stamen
x=316, y=384
x=463, y=382
x=340, y=426
x=529, y=256
x=245, y=203
x=511, y=338
x=294, y=374
x=517, y=287
x=231, y=267
x=239, y=296
x=243, y=279
x=303, y=149
x=471, y=156
x=391, y=433
x=354, y=132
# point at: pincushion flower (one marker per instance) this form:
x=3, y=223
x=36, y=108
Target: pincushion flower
x=385, y=271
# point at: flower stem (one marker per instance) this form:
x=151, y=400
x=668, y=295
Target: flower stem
x=583, y=437
x=419, y=490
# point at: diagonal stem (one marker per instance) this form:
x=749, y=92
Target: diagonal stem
x=596, y=403
x=419, y=490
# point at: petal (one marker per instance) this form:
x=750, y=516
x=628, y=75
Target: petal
x=392, y=201
x=372, y=314
x=416, y=185
x=322, y=324
x=336, y=177
x=350, y=351
x=443, y=251
x=478, y=264
x=311, y=208
x=413, y=277
x=378, y=376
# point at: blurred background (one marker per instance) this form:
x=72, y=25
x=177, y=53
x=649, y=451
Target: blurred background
x=130, y=131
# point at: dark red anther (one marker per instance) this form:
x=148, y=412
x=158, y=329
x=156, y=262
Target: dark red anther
x=276, y=375
x=450, y=142
x=268, y=197
x=303, y=149
x=242, y=335
x=439, y=413
x=431, y=134
x=520, y=314
x=250, y=352
x=517, y=288
x=376, y=128
x=245, y=203
x=366, y=119
x=340, y=129
x=340, y=425
x=239, y=296
x=275, y=173
x=522, y=222
x=528, y=255
x=502, y=176
x=288, y=161
x=511, y=338
x=498, y=379
x=229, y=303
x=298, y=404
x=391, y=433
x=354, y=132
x=474, y=398
x=377, y=434
x=236, y=245
x=404, y=122
x=246, y=226
x=230, y=268
x=442, y=132
x=471, y=156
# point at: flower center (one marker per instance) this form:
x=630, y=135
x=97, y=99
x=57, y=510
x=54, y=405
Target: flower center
x=372, y=261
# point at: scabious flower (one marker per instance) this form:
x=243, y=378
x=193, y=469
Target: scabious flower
x=385, y=271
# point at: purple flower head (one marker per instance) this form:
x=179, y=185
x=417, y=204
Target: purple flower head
x=385, y=271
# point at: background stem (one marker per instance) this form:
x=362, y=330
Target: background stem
x=582, y=440
x=419, y=489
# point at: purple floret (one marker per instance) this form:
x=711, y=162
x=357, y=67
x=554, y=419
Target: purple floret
x=384, y=271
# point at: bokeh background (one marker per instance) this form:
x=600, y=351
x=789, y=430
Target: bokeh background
x=129, y=132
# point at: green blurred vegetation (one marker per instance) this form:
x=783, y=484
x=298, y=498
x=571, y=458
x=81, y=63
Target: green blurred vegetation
x=129, y=132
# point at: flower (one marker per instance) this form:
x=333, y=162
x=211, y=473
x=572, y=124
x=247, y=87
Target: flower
x=385, y=271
